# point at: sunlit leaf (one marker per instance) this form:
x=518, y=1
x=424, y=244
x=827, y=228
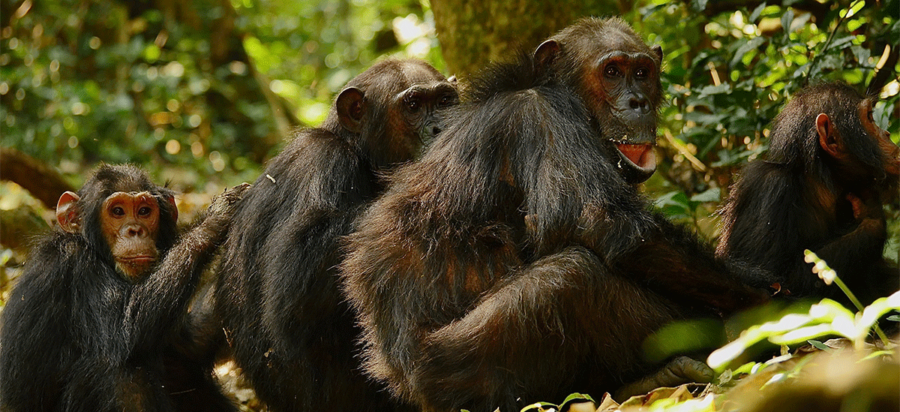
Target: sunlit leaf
x=752, y=44
x=819, y=345
x=711, y=195
x=879, y=308
x=757, y=12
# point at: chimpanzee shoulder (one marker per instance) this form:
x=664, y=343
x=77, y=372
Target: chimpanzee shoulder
x=504, y=77
x=326, y=167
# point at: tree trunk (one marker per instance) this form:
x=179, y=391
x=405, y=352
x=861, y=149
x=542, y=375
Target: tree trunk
x=475, y=32
x=227, y=51
x=43, y=182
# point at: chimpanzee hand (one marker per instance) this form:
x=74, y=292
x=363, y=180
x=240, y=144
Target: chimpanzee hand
x=223, y=207
x=866, y=206
x=870, y=223
x=679, y=371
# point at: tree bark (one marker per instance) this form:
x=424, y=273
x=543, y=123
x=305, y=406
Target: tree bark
x=473, y=33
x=19, y=228
x=42, y=181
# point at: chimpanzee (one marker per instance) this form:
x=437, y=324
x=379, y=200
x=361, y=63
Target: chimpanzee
x=517, y=258
x=88, y=322
x=828, y=171
x=277, y=293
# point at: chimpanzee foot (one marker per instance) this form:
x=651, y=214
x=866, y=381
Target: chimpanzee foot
x=679, y=371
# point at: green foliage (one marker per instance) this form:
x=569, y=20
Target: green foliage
x=123, y=81
x=728, y=74
x=566, y=405
x=311, y=49
x=185, y=88
x=826, y=318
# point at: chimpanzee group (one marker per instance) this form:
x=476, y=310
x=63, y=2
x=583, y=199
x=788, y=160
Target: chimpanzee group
x=437, y=248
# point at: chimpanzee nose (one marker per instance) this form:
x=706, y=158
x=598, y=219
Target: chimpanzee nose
x=640, y=104
x=136, y=231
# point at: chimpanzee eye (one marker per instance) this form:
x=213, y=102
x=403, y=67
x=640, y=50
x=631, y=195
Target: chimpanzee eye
x=612, y=71
x=144, y=211
x=446, y=100
x=641, y=73
x=118, y=211
x=412, y=104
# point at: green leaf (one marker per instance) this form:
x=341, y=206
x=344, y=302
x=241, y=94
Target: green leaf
x=820, y=346
x=757, y=12
x=539, y=407
x=786, y=19
x=827, y=310
x=778, y=377
x=575, y=398
x=711, y=195
x=877, y=309
x=878, y=354
x=840, y=44
x=707, y=91
x=802, y=335
x=676, y=198
x=752, y=44
x=747, y=368
x=699, y=5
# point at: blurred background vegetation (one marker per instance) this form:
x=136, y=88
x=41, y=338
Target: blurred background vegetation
x=202, y=92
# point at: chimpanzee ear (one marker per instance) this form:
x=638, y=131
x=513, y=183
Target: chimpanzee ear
x=351, y=105
x=658, y=50
x=828, y=137
x=67, y=213
x=545, y=54
x=171, y=200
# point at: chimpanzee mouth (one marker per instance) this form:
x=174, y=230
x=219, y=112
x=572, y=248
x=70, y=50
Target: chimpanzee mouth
x=137, y=260
x=640, y=158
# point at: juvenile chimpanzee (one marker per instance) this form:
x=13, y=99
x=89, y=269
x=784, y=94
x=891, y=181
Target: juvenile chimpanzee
x=88, y=322
x=517, y=258
x=829, y=168
x=277, y=293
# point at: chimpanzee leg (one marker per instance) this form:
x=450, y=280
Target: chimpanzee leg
x=564, y=313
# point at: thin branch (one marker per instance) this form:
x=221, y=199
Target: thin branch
x=815, y=59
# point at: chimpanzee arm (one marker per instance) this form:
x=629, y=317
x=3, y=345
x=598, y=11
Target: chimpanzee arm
x=864, y=243
x=647, y=248
x=674, y=262
x=37, y=325
x=563, y=304
x=160, y=301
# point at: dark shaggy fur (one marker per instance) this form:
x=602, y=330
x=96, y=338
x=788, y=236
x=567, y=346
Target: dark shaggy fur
x=514, y=260
x=796, y=199
x=277, y=293
x=77, y=336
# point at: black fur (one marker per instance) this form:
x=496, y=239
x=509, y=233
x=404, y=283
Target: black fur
x=77, y=336
x=515, y=260
x=796, y=199
x=277, y=295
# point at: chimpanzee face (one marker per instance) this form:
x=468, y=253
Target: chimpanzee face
x=618, y=79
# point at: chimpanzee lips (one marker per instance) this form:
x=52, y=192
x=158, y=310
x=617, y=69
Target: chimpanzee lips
x=137, y=260
x=640, y=158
